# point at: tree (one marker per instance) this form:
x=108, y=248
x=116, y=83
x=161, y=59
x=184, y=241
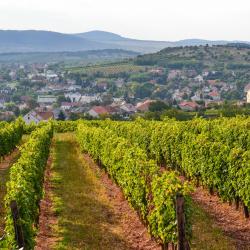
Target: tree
x=62, y=98
x=32, y=103
x=73, y=116
x=61, y=116
x=157, y=106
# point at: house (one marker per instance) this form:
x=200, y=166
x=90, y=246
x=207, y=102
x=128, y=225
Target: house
x=196, y=96
x=97, y=111
x=212, y=82
x=205, y=73
x=69, y=105
x=119, y=83
x=144, y=106
x=88, y=99
x=2, y=106
x=188, y=106
x=71, y=82
x=74, y=88
x=173, y=74
x=248, y=96
x=46, y=115
x=128, y=108
x=36, y=117
x=157, y=71
x=177, y=95
x=215, y=95
x=50, y=75
x=102, y=85
x=22, y=106
x=74, y=97
x=7, y=116
x=247, y=88
x=191, y=73
x=46, y=99
x=206, y=90
x=199, y=79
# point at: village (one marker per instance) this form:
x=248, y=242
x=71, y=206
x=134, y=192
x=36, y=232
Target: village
x=42, y=92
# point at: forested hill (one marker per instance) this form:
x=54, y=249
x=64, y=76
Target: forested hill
x=217, y=57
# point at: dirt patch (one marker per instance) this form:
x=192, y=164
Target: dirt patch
x=9, y=160
x=226, y=217
x=134, y=232
x=47, y=219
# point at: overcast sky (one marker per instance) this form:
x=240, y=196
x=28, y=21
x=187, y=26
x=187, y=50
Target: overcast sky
x=142, y=19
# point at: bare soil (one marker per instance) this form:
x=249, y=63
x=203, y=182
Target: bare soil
x=226, y=217
x=9, y=160
x=134, y=231
x=47, y=219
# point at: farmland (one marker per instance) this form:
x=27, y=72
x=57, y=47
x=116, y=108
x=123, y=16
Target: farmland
x=116, y=185
x=108, y=69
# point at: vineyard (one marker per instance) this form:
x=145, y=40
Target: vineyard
x=154, y=167
x=109, y=69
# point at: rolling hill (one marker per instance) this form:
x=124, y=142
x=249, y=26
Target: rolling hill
x=44, y=41
x=47, y=41
x=216, y=57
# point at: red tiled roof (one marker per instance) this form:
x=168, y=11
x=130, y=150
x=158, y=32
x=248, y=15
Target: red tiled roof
x=100, y=110
x=214, y=93
x=46, y=115
x=212, y=82
x=190, y=104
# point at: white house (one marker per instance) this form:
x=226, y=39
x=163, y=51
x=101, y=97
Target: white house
x=74, y=97
x=46, y=99
x=196, y=97
x=74, y=88
x=36, y=117
x=199, y=79
x=32, y=117
x=69, y=105
x=248, y=96
x=88, y=99
x=2, y=106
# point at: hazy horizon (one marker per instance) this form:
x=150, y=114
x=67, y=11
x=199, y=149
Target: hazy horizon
x=145, y=20
x=137, y=38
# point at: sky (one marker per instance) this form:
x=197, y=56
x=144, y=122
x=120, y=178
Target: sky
x=167, y=20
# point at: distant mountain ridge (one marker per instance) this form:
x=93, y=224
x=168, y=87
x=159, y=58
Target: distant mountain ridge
x=48, y=41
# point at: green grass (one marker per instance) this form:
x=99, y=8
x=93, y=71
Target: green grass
x=206, y=235
x=85, y=219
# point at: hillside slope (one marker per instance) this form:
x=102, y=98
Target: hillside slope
x=44, y=41
x=218, y=57
x=143, y=46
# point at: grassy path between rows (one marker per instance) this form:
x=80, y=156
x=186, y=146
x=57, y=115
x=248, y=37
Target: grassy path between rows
x=206, y=235
x=85, y=218
x=83, y=212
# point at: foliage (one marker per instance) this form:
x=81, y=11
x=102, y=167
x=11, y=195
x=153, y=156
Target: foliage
x=26, y=185
x=10, y=135
x=214, y=153
x=129, y=166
